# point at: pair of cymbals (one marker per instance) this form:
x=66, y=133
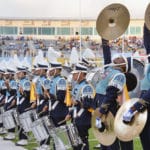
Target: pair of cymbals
x=113, y=21
x=115, y=127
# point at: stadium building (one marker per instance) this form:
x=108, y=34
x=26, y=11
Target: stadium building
x=51, y=29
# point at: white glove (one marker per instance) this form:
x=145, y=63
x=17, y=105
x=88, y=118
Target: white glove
x=98, y=122
x=128, y=115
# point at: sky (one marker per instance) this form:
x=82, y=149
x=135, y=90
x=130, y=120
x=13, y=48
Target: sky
x=66, y=9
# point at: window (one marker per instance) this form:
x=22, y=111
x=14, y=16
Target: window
x=138, y=30
x=63, y=31
x=95, y=31
x=29, y=31
x=8, y=30
x=46, y=31
x=87, y=31
x=132, y=30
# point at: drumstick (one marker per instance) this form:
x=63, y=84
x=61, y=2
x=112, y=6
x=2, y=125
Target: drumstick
x=60, y=122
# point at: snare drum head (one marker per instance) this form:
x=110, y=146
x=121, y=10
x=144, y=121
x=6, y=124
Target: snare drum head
x=40, y=130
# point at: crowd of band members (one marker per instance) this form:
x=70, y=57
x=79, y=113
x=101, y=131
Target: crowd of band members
x=54, y=90
x=50, y=100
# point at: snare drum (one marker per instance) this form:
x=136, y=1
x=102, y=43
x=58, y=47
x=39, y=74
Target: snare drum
x=9, y=120
x=68, y=135
x=74, y=135
x=40, y=130
x=26, y=119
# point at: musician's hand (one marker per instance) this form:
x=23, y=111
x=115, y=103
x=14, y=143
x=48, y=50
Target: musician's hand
x=7, y=83
x=21, y=90
x=128, y=116
x=68, y=117
x=99, y=124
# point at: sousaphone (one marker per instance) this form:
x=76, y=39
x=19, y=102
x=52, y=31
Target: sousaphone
x=147, y=16
x=113, y=21
x=108, y=136
x=127, y=132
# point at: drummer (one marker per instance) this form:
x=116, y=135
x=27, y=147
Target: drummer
x=58, y=110
x=42, y=92
x=10, y=100
x=23, y=99
x=2, y=97
x=108, y=94
x=82, y=94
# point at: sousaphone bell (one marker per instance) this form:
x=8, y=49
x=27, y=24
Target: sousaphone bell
x=127, y=132
x=108, y=136
x=113, y=21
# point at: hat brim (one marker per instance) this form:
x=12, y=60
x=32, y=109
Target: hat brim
x=52, y=68
x=77, y=71
x=18, y=71
x=38, y=68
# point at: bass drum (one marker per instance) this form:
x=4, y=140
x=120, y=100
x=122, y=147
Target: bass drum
x=94, y=76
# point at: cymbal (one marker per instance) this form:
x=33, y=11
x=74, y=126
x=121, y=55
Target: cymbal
x=147, y=17
x=107, y=137
x=127, y=132
x=113, y=21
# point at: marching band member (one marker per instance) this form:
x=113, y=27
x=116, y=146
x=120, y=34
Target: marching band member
x=10, y=100
x=107, y=94
x=140, y=106
x=23, y=99
x=42, y=87
x=58, y=108
x=2, y=98
x=144, y=101
x=82, y=93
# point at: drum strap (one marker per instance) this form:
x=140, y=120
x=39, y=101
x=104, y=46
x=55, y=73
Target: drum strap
x=54, y=105
x=41, y=102
x=21, y=100
x=80, y=112
x=50, y=105
x=74, y=112
x=9, y=100
x=1, y=97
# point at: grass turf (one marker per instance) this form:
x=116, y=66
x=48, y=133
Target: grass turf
x=92, y=141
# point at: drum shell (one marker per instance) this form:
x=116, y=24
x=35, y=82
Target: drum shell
x=68, y=135
x=26, y=119
x=9, y=119
x=40, y=130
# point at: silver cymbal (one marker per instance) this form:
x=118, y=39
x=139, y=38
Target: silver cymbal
x=127, y=132
x=113, y=21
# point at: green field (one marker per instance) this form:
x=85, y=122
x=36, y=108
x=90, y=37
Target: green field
x=32, y=143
